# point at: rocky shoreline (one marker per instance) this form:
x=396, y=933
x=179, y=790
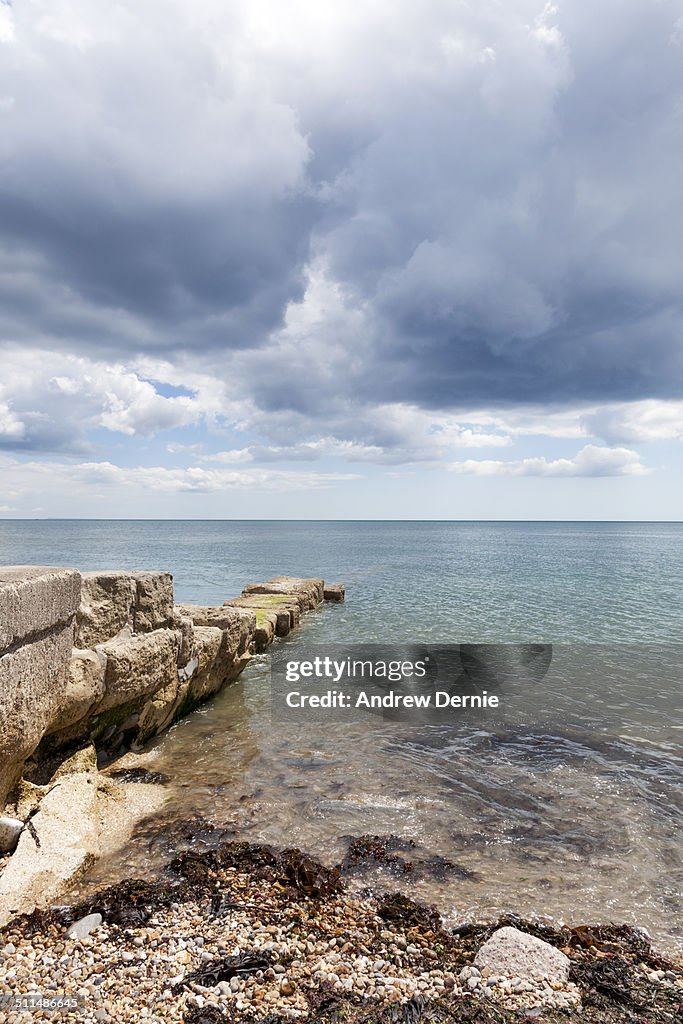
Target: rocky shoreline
x=92, y=666
x=242, y=932
x=237, y=932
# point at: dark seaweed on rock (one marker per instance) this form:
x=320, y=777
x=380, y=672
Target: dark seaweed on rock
x=130, y=903
x=377, y=849
x=369, y=850
x=612, y=937
x=224, y=968
x=307, y=875
x=208, y=1014
x=290, y=867
x=400, y=910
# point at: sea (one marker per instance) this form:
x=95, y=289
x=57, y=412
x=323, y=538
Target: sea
x=565, y=805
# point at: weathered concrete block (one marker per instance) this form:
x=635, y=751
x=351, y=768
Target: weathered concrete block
x=282, y=609
x=137, y=666
x=33, y=680
x=84, y=688
x=107, y=606
x=334, y=592
x=116, y=600
x=308, y=592
x=153, y=602
x=35, y=599
x=237, y=623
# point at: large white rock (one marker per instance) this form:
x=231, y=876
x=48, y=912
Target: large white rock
x=61, y=842
x=517, y=954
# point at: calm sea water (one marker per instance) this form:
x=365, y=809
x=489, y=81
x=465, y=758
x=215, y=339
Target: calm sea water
x=572, y=807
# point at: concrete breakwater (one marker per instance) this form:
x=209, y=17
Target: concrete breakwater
x=99, y=663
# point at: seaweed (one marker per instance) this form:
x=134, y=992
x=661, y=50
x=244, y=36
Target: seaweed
x=380, y=850
x=141, y=775
x=290, y=867
x=195, y=1014
x=128, y=904
x=224, y=968
x=307, y=875
x=400, y=910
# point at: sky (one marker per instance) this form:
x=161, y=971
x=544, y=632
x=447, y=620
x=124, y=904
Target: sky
x=303, y=259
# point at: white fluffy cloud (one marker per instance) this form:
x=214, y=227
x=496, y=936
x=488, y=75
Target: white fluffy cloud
x=591, y=461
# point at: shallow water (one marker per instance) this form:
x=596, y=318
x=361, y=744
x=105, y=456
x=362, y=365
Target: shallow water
x=567, y=804
x=577, y=822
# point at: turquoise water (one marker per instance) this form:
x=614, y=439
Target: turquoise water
x=570, y=804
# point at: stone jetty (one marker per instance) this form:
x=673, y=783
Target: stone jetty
x=93, y=665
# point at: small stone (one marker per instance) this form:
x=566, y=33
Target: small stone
x=10, y=830
x=82, y=928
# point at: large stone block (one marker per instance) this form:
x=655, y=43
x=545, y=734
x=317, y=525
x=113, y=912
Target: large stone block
x=138, y=665
x=116, y=600
x=283, y=609
x=33, y=680
x=153, y=602
x=35, y=599
x=308, y=592
x=107, y=606
x=84, y=689
x=237, y=623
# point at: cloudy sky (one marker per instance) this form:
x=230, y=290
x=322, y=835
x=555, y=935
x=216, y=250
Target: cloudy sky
x=296, y=258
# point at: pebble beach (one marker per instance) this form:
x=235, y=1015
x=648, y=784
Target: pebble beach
x=242, y=933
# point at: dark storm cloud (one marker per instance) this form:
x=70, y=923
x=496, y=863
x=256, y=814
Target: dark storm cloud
x=493, y=190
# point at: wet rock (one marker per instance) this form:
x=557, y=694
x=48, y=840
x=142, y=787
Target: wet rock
x=10, y=830
x=81, y=928
x=518, y=954
x=334, y=592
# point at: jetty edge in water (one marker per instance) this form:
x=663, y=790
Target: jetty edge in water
x=93, y=665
